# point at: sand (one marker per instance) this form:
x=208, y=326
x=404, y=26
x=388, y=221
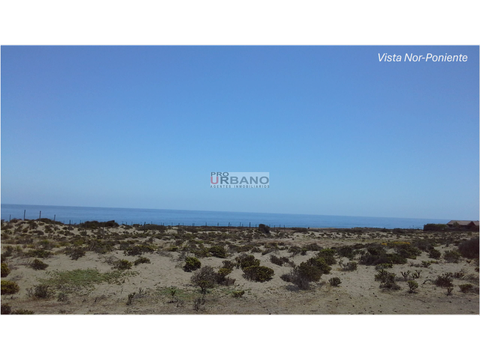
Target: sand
x=147, y=288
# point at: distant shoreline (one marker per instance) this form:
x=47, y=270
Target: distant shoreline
x=165, y=217
x=93, y=224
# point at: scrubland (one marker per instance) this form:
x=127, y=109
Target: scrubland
x=105, y=268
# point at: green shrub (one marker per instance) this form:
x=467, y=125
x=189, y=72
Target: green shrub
x=218, y=251
x=376, y=254
x=75, y=252
x=320, y=263
x=122, y=265
x=434, y=253
x=469, y=248
x=383, y=266
x=328, y=255
x=139, y=250
x=222, y=278
x=346, y=251
x=238, y=293
x=9, y=287
x=387, y=280
x=228, y=264
x=412, y=285
x=280, y=260
x=205, y=278
x=264, y=228
x=191, y=264
x=335, y=281
x=5, y=270
x=6, y=309
x=444, y=280
x=41, y=291
x=350, y=266
x=38, y=253
x=465, y=287
x=38, y=265
x=244, y=261
x=141, y=260
x=258, y=273
x=407, y=251
x=452, y=256
x=99, y=246
x=303, y=274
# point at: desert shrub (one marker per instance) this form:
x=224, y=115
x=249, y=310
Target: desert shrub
x=5, y=270
x=465, y=287
x=141, y=260
x=469, y=248
x=350, y=266
x=434, y=253
x=238, y=293
x=92, y=225
x=328, y=255
x=407, y=251
x=75, y=252
x=218, y=251
x=137, y=250
x=99, y=246
x=264, y=228
x=396, y=259
x=346, y=251
x=9, y=287
x=383, y=266
x=258, y=273
x=335, y=281
x=191, y=264
x=228, y=264
x=387, y=280
x=41, y=291
x=6, y=309
x=205, y=278
x=320, y=263
x=38, y=253
x=122, y=265
x=444, y=280
x=302, y=275
x=38, y=265
x=412, y=285
x=222, y=277
x=280, y=260
x=244, y=261
x=452, y=256
x=377, y=255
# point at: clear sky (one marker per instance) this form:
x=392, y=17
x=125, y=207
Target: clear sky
x=340, y=132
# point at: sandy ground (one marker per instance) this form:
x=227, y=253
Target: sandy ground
x=146, y=288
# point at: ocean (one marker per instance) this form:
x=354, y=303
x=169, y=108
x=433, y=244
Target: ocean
x=77, y=214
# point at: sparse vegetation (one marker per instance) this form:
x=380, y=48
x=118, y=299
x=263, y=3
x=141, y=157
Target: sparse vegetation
x=9, y=287
x=5, y=270
x=315, y=250
x=258, y=273
x=191, y=264
x=38, y=265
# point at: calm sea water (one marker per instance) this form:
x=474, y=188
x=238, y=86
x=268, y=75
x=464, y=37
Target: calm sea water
x=76, y=215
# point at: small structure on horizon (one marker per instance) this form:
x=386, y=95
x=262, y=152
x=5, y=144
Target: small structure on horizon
x=463, y=224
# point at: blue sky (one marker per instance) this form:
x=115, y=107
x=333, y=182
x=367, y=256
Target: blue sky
x=340, y=132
